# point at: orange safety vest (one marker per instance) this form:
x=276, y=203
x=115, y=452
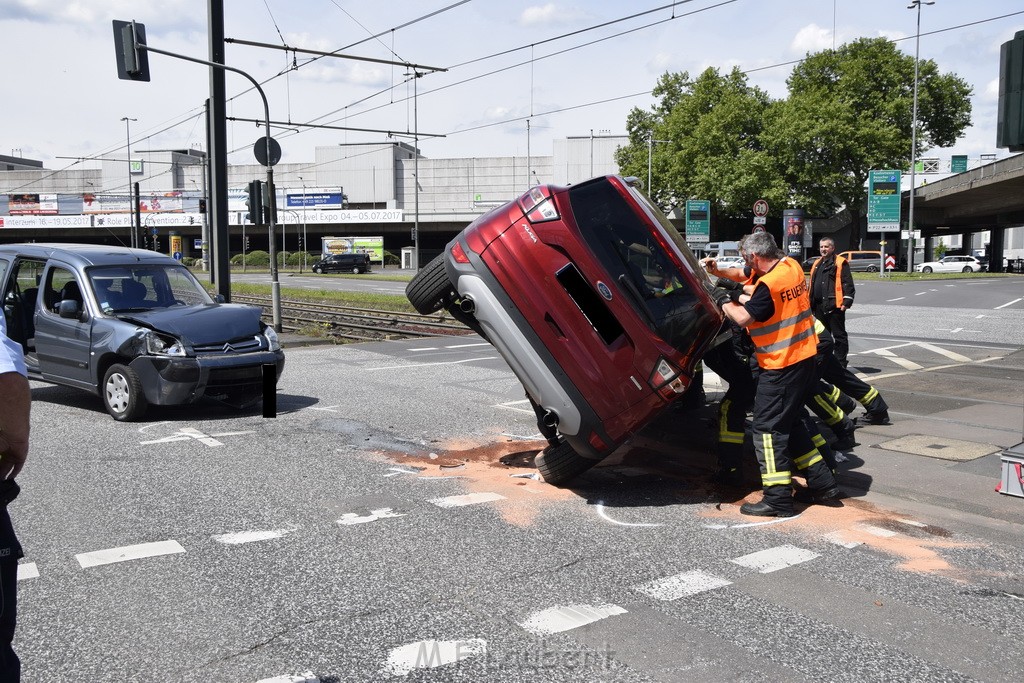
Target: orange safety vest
x=788, y=336
x=838, y=284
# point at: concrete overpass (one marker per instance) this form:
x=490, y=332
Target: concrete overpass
x=990, y=197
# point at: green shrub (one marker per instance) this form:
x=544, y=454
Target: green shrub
x=256, y=259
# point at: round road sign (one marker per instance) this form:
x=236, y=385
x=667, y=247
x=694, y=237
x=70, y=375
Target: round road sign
x=760, y=208
x=260, y=151
x=758, y=228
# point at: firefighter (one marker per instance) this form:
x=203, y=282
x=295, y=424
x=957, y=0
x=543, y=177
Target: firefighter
x=778, y=319
x=832, y=291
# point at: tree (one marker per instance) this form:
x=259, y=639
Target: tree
x=713, y=125
x=849, y=111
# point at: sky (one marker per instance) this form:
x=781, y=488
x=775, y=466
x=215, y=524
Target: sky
x=517, y=74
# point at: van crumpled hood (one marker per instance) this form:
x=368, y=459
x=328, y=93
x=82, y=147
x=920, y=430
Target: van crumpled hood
x=204, y=324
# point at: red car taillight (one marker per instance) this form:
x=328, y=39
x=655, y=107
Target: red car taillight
x=538, y=206
x=458, y=254
x=667, y=379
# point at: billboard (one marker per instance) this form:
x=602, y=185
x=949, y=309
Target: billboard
x=374, y=246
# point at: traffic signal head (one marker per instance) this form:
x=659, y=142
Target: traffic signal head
x=254, y=203
x=132, y=60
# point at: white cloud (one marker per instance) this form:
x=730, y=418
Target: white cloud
x=811, y=38
x=549, y=14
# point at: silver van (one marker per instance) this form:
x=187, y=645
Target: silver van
x=132, y=326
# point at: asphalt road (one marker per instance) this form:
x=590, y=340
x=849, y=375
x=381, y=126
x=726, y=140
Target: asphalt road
x=371, y=533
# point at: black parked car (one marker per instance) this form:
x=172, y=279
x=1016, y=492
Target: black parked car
x=343, y=263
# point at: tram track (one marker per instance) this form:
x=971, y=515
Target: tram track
x=352, y=323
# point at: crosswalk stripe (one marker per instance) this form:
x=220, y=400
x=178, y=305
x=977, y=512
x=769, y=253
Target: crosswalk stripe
x=774, y=559
x=681, y=585
x=28, y=570
x=126, y=553
x=467, y=499
x=952, y=355
x=559, y=619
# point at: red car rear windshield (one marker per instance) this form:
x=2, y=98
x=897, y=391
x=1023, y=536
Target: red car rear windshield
x=633, y=252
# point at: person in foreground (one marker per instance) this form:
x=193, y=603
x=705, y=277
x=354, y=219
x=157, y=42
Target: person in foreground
x=15, y=402
x=778, y=318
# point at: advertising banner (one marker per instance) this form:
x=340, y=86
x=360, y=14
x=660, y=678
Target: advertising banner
x=374, y=246
x=320, y=200
x=793, y=231
x=32, y=204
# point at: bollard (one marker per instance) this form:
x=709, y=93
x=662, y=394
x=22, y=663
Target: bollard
x=269, y=390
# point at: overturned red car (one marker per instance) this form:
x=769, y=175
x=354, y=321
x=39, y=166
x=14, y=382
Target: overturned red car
x=592, y=298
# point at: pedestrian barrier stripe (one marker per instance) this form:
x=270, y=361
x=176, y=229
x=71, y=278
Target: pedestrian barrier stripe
x=239, y=537
x=468, y=499
x=774, y=559
x=681, y=585
x=559, y=619
x=28, y=570
x=131, y=552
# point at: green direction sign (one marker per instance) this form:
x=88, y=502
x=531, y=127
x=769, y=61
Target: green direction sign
x=698, y=221
x=958, y=163
x=883, y=201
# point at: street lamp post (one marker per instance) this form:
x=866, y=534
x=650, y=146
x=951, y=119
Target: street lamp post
x=128, y=154
x=305, y=244
x=915, y=4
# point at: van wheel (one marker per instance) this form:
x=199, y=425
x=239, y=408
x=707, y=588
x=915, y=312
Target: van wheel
x=317, y=269
x=559, y=464
x=429, y=291
x=872, y=268
x=122, y=394
x=357, y=270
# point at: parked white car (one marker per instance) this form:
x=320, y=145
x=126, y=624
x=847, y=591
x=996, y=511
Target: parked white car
x=951, y=264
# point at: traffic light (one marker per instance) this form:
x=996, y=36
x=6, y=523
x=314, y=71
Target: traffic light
x=254, y=203
x=269, y=203
x=202, y=206
x=132, y=61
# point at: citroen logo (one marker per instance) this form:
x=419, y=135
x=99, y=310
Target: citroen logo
x=228, y=348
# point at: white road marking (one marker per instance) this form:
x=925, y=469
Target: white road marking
x=899, y=298
x=395, y=471
x=28, y=570
x=952, y=355
x=836, y=537
x=681, y=585
x=911, y=522
x=774, y=559
x=130, y=552
x=465, y=346
x=747, y=525
x=468, y=499
x=1009, y=303
x=429, y=654
x=425, y=348
x=239, y=537
x=328, y=409
x=307, y=677
x=350, y=518
x=427, y=365
x=600, y=511
x=902, y=362
x=559, y=619
x=877, y=530
x=186, y=433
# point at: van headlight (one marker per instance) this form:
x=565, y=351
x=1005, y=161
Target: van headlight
x=163, y=345
x=272, y=340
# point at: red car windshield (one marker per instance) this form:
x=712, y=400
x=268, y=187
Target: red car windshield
x=636, y=254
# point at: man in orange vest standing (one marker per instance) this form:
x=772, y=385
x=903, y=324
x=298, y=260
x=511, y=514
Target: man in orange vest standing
x=832, y=292
x=778, y=318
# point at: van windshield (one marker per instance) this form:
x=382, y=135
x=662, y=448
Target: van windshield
x=123, y=289
x=635, y=249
